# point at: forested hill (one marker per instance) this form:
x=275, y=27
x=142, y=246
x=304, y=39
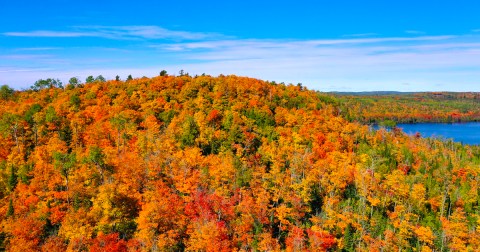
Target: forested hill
x=222, y=164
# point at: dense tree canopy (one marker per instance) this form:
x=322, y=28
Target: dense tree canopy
x=411, y=107
x=223, y=164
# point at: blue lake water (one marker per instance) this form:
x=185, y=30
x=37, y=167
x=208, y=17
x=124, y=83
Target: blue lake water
x=467, y=133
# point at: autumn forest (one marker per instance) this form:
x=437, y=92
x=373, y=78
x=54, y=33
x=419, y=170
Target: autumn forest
x=227, y=163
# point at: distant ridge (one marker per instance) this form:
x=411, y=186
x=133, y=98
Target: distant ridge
x=374, y=93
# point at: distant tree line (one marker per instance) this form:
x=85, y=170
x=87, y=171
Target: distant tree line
x=6, y=91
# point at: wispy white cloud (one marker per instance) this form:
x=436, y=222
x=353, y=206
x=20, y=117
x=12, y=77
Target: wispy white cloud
x=59, y=34
x=25, y=56
x=414, y=32
x=16, y=69
x=117, y=32
x=368, y=34
x=290, y=44
x=37, y=49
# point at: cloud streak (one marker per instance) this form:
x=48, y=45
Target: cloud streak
x=116, y=32
x=414, y=32
x=290, y=44
x=357, y=35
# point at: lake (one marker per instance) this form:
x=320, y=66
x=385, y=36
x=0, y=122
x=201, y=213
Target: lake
x=467, y=133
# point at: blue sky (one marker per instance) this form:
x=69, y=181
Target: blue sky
x=326, y=45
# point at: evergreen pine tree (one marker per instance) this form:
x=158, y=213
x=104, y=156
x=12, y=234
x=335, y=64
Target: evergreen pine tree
x=10, y=210
x=12, y=179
